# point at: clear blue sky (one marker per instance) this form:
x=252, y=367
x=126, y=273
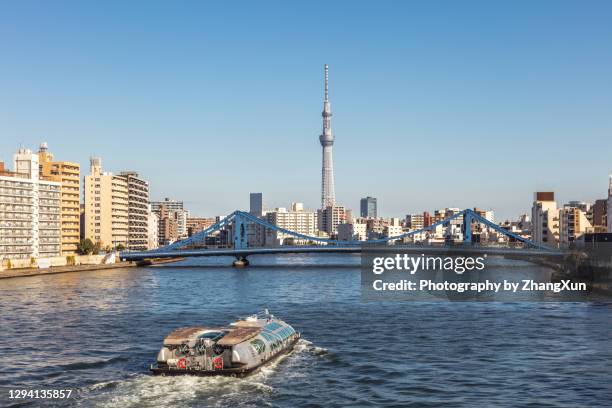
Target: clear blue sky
x=435, y=103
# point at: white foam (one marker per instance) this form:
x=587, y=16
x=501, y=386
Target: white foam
x=148, y=390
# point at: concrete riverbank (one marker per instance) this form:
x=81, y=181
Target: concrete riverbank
x=16, y=273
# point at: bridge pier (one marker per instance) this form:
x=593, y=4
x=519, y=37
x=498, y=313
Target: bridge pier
x=240, y=262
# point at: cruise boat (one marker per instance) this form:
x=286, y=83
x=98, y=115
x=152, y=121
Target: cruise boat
x=236, y=350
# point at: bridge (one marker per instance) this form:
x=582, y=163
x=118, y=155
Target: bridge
x=237, y=224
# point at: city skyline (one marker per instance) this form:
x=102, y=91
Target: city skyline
x=424, y=119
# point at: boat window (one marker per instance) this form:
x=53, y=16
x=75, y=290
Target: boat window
x=272, y=326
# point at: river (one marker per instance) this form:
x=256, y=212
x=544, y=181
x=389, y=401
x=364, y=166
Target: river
x=97, y=332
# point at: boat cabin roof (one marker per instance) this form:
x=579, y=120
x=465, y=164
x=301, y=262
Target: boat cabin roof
x=238, y=335
x=179, y=336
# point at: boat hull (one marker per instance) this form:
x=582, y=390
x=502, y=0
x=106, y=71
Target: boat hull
x=227, y=372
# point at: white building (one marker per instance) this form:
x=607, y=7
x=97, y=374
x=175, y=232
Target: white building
x=153, y=229
x=392, y=230
x=29, y=211
x=545, y=219
x=297, y=220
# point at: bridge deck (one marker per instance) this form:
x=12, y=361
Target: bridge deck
x=354, y=249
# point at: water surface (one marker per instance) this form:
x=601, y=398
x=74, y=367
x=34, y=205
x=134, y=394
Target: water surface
x=97, y=332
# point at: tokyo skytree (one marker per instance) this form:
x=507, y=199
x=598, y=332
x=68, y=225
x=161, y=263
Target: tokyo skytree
x=328, y=197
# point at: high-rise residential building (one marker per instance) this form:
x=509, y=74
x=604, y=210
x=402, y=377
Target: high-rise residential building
x=256, y=206
x=328, y=196
x=368, y=207
x=106, y=207
x=545, y=219
x=573, y=224
x=138, y=211
x=168, y=225
x=68, y=174
x=29, y=210
x=172, y=220
x=297, y=220
x=329, y=218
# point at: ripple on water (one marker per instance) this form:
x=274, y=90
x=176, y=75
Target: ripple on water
x=98, y=331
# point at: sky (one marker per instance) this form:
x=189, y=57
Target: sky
x=435, y=103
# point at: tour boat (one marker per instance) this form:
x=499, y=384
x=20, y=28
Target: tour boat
x=235, y=350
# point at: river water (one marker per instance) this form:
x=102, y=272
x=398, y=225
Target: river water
x=97, y=332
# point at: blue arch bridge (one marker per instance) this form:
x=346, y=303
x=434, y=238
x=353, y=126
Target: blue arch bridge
x=237, y=225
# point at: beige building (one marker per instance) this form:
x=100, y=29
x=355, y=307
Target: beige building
x=296, y=220
x=29, y=210
x=545, y=219
x=573, y=223
x=106, y=207
x=415, y=221
x=197, y=224
x=68, y=174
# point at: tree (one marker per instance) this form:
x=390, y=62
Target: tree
x=120, y=247
x=85, y=247
x=97, y=247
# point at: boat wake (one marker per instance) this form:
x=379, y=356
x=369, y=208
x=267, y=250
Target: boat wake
x=254, y=390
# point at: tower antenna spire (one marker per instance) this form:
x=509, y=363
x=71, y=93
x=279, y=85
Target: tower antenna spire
x=326, y=83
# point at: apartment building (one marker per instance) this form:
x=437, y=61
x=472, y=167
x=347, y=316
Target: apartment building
x=573, y=223
x=330, y=217
x=29, y=210
x=545, y=219
x=296, y=219
x=197, y=224
x=106, y=207
x=415, y=221
x=356, y=231
x=138, y=211
x=68, y=174
x=172, y=220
